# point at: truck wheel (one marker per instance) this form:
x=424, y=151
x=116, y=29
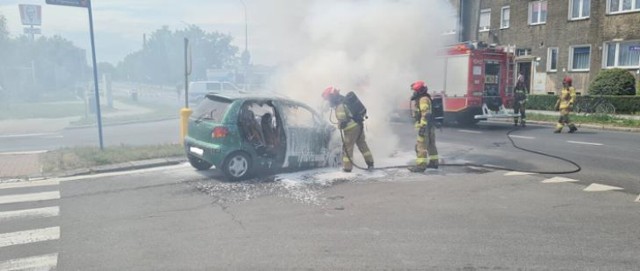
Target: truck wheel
x=198, y=163
x=237, y=166
x=467, y=120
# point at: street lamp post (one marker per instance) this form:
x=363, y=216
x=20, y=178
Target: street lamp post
x=246, y=57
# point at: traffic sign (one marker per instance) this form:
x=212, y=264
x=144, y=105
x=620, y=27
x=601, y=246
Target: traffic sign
x=28, y=30
x=72, y=3
x=31, y=14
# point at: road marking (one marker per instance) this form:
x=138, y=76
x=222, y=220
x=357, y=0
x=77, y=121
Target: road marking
x=518, y=173
x=120, y=173
x=43, y=262
x=559, y=180
x=23, y=152
x=39, y=212
x=28, y=184
x=596, y=187
x=26, y=135
x=585, y=143
x=470, y=131
x=30, y=197
x=30, y=236
x=523, y=137
x=638, y=199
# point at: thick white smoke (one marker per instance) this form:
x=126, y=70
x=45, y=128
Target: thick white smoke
x=375, y=48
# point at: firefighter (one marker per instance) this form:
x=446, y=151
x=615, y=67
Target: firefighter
x=565, y=103
x=520, y=101
x=426, y=151
x=352, y=130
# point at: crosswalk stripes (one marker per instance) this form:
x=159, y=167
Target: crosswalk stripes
x=35, y=200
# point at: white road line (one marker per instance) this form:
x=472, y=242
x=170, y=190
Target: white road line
x=28, y=184
x=596, y=187
x=518, y=173
x=30, y=236
x=470, y=131
x=585, y=143
x=113, y=174
x=638, y=199
x=23, y=152
x=43, y=262
x=523, y=137
x=559, y=180
x=26, y=135
x=30, y=213
x=30, y=197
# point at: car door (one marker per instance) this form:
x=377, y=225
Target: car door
x=305, y=145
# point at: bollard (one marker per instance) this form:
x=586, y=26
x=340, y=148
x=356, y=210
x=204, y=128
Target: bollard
x=185, y=113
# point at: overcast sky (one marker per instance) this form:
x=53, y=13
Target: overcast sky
x=120, y=24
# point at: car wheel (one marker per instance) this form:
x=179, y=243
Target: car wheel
x=237, y=166
x=198, y=163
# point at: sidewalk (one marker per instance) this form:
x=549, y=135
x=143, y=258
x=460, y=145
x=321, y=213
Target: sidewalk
x=556, y=113
x=19, y=165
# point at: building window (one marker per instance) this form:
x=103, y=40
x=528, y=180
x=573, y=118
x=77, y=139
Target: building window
x=621, y=6
x=485, y=20
x=622, y=54
x=523, y=51
x=552, y=60
x=505, y=17
x=579, y=57
x=579, y=9
x=537, y=12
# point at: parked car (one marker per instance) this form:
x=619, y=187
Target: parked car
x=242, y=134
x=198, y=89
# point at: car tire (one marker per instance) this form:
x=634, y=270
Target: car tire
x=198, y=163
x=237, y=166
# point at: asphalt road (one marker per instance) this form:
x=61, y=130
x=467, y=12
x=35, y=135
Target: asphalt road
x=179, y=219
x=606, y=157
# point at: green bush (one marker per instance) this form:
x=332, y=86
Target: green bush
x=613, y=82
x=623, y=104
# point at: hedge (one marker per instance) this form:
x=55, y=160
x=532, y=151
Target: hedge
x=623, y=104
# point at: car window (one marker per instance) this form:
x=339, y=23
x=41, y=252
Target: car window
x=298, y=116
x=213, y=86
x=211, y=109
x=227, y=86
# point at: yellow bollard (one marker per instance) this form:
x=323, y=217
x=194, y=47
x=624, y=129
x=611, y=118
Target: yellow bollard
x=185, y=113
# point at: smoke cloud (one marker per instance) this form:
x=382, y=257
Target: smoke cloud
x=376, y=48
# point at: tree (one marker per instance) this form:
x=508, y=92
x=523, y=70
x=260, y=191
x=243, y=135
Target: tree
x=613, y=82
x=161, y=60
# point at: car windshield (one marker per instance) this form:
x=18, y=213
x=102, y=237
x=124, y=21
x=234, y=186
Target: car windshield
x=211, y=109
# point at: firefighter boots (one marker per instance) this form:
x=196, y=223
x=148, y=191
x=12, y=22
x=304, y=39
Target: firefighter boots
x=572, y=129
x=416, y=169
x=433, y=164
x=369, y=165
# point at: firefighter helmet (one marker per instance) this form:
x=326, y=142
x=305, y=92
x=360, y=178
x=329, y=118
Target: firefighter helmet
x=418, y=85
x=329, y=91
x=567, y=80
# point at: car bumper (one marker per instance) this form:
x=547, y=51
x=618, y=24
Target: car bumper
x=211, y=153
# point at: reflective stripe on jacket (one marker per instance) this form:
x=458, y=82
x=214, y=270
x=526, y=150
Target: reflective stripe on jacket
x=343, y=114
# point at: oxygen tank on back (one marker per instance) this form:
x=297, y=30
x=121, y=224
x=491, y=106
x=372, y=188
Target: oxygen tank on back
x=355, y=106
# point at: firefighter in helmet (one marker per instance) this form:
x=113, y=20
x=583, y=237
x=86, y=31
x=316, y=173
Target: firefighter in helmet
x=426, y=151
x=352, y=130
x=565, y=103
x=520, y=101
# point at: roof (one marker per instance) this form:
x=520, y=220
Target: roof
x=243, y=95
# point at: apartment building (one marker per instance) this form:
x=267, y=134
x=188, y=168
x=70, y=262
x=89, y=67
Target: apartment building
x=555, y=38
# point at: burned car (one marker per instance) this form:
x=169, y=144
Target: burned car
x=243, y=134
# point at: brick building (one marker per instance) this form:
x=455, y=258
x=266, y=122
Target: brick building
x=554, y=38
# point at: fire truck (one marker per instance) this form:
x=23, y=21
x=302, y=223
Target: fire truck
x=475, y=82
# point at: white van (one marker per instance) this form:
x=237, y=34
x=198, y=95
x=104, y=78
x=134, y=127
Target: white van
x=198, y=89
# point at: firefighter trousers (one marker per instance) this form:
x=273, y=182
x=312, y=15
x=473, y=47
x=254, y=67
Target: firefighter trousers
x=426, y=150
x=519, y=108
x=354, y=136
x=564, y=119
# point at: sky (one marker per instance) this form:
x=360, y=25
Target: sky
x=120, y=24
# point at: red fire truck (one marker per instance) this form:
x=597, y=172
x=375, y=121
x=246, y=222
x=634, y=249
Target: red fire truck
x=477, y=83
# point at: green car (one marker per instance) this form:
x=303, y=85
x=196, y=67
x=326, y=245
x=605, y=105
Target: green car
x=246, y=134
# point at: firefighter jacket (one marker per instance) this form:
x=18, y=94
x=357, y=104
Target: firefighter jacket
x=520, y=94
x=422, y=111
x=344, y=117
x=567, y=99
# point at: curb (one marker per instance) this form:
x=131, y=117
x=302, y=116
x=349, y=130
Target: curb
x=133, y=165
x=119, y=123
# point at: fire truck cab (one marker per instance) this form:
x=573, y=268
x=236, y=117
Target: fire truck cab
x=477, y=83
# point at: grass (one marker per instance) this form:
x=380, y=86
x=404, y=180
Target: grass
x=85, y=157
x=47, y=110
x=590, y=119
x=157, y=112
